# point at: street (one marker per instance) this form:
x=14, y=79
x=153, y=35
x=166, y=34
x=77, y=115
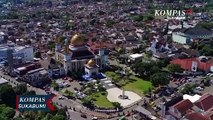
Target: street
x=61, y=103
x=70, y=104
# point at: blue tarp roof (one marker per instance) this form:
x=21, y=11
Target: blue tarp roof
x=88, y=77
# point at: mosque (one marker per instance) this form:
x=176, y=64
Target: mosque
x=76, y=56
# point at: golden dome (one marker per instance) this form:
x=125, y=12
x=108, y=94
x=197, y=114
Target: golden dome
x=91, y=63
x=77, y=40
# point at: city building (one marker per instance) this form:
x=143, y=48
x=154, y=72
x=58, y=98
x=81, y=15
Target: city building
x=75, y=55
x=201, y=109
x=54, y=69
x=33, y=74
x=187, y=36
x=195, y=64
x=178, y=110
x=23, y=53
x=135, y=57
x=3, y=81
x=36, y=77
x=91, y=68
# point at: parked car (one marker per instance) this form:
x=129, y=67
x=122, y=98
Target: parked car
x=94, y=118
x=65, y=78
x=199, y=88
x=61, y=98
x=83, y=116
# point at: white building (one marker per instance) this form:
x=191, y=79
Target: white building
x=3, y=81
x=186, y=36
x=75, y=55
x=91, y=68
x=25, y=53
x=135, y=57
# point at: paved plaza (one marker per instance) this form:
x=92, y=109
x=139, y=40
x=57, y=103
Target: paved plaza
x=113, y=96
x=114, y=92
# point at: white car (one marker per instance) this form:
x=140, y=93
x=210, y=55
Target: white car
x=94, y=118
x=61, y=98
x=210, y=74
x=199, y=88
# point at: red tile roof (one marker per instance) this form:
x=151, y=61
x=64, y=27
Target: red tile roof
x=183, y=106
x=205, y=102
x=186, y=64
x=209, y=115
x=195, y=116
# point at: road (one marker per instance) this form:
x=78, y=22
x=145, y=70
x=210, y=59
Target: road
x=75, y=116
x=70, y=104
x=61, y=103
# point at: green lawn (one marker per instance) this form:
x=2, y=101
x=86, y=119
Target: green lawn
x=134, y=84
x=101, y=100
x=139, y=86
x=112, y=75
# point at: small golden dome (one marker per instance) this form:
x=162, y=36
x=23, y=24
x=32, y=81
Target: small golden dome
x=77, y=40
x=91, y=63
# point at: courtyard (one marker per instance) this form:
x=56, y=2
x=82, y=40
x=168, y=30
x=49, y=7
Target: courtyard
x=114, y=93
x=134, y=83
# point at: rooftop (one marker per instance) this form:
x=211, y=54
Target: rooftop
x=3, y=81
x=183, y=106
x=191, y=98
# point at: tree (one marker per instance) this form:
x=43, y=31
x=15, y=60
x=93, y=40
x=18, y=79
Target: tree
x=162, y=63
x=154, y=69
x=88, y=102
x=101, y=88
x=58, y=117
x=29, y=115
x=6, y=112
x=28, y=42
x=207, y=50
x=116, y=105
x=188, y=89
x=174, y=68
x=145, y=69
x=38, y=54
x=68, y=94
x=7, y=95
x=207, y=25
x=62, y=111
x=52, y=61
x=51, y=45
x=142, y=68
x=110, y=23
x=48, y=116
x=54, y=85
x=149, y=17
x=57, y=114
x=137, y=18
x=20, y=89
x=160, y=78
x=207, y=81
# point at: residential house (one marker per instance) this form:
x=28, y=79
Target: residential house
x=194, y=64
x=205, y=102
x=178, y=110
x=36, y=77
